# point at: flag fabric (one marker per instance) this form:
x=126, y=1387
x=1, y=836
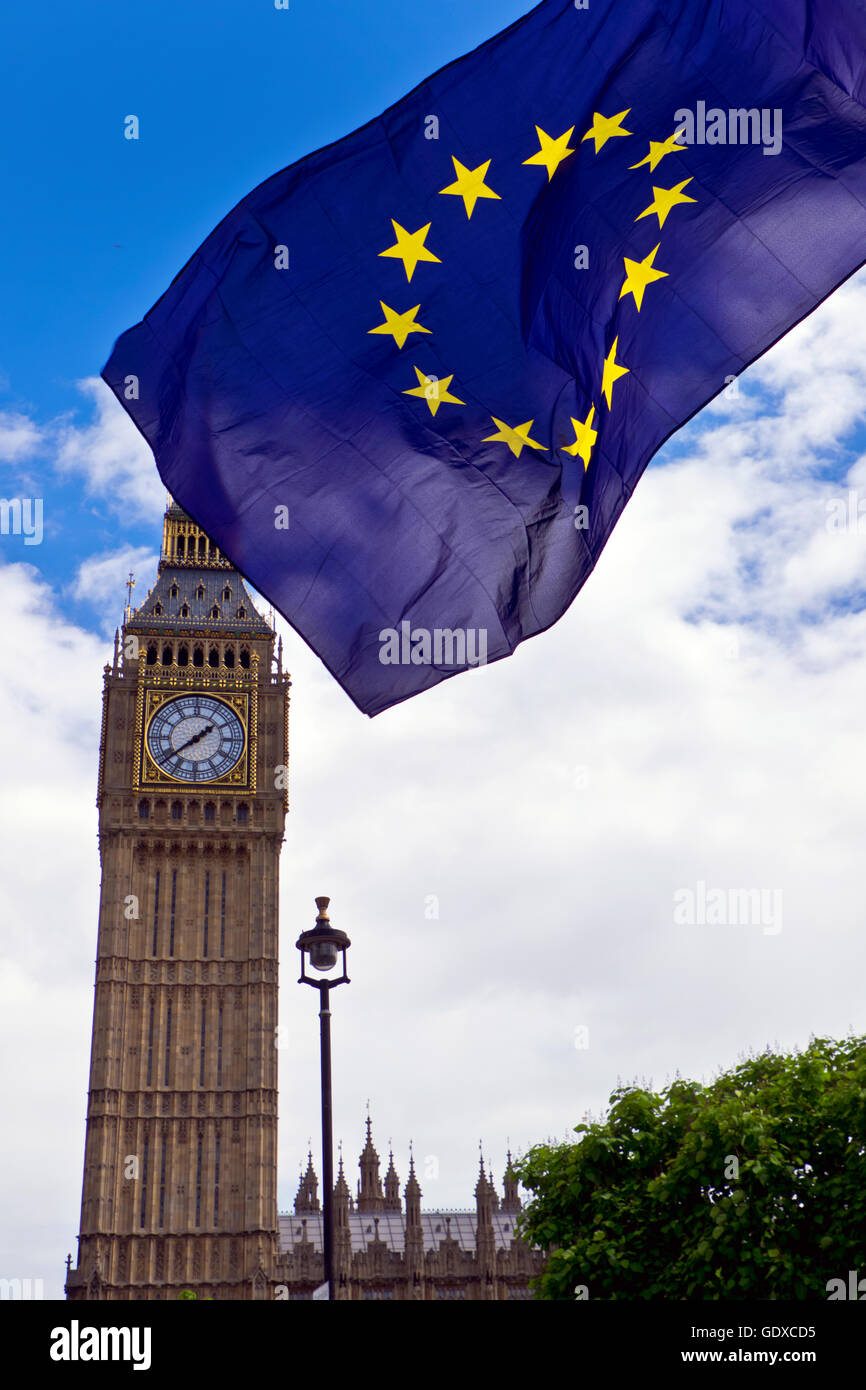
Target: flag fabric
x=409, y=383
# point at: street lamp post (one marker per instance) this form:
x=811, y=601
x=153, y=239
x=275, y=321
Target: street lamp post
x=323, y=944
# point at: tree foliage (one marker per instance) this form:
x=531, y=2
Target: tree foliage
x=753, y=1187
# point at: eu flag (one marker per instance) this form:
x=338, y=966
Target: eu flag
x=409, y=383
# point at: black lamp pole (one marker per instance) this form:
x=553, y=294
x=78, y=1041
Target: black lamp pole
x=323, y=944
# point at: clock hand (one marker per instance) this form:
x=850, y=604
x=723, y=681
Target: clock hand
x=196, y=738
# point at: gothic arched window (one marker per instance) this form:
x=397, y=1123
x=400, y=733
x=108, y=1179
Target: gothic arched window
x=151, y=654
x=144, y=810
x=229, y=657
x=166, y=656
x=209, y=811
x=183, y=656
x=198, y=656
x=245, y=658
x=213, y=657
x=176, y=810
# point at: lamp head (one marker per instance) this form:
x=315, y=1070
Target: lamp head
x=323, y=943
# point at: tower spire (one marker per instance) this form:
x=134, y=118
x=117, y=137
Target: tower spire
x=392, y=1184
x=370, y=1195
x=511, y=1201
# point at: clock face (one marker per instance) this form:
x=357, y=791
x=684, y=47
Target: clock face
x=195, y=738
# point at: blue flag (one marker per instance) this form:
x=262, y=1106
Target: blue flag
x=409, y=383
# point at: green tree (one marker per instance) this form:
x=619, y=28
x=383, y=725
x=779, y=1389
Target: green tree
x=753, y=1187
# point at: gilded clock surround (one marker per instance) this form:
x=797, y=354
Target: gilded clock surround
x=236, y=687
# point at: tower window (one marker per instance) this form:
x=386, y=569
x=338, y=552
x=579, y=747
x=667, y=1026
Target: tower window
x=157, y=610
x=245, y=658
x=198, y=1160
x=209, y=811
x=243, y=814
x=144, y=810
x=213, y=657
x=164, y=1143
x=181, y=547
x=183, y=656
x=176, y=810
x=215, y=612
x=143, y=1210
x=227, y=592
x=151, y=654
x=222, y=953
x=173, y=903
x=229, y=657
x=202, y=547
x=167, y=1063
x=150, y=1048
x=199, y=593
x=155, y=913
x=206, y=912
x=174, y=591
x=184, y=612
x=166, y=656
x=198, y=656
x=242, y=612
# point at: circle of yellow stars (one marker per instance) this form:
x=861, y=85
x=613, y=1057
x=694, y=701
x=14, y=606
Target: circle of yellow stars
x=473, y=186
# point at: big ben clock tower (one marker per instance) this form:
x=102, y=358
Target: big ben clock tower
x=180, y=1166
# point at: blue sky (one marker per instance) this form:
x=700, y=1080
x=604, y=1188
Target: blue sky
x=96, y=226
x=227, y=93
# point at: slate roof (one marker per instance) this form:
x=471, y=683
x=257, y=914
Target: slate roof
x=392, y=1229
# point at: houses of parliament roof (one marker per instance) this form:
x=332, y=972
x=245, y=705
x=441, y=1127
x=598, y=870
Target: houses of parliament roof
x=377, y=1214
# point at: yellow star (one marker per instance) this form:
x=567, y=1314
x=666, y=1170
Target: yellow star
x=584, y=438
x=469, y=185
x=434, y=390
x=658, y=149
x=664, y=199
x=517, y=438
x=409, y=248
x=604, y=127
x=552, y=152
x=399, y=325
x=639, y=274
x=611, y=373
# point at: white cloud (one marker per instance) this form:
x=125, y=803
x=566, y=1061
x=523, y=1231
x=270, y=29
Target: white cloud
x=111, y=456
x=100, y=580
x=19, y=437
x=49, y=887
